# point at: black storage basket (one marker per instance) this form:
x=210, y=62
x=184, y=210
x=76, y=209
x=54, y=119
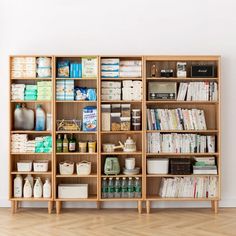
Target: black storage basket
x=180, y=166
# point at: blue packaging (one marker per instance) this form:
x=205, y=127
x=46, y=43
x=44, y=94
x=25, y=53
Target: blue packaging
x=90, y=118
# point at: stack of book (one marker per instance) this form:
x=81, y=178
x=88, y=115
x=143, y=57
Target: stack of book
x=198, y=91
x=205, y=165
x=176, y=119
x=180, y=143
x=189, y=187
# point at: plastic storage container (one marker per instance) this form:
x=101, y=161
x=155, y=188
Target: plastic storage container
x=24, y=166
x=136, y=126
x=73, y=191
x=115, y=122
x=125, y=123
x=106, y=117
x=66, y=168
x=125, y=110
x=136, y=112
x=115, y=108
x=158, y=166
x=40, y=165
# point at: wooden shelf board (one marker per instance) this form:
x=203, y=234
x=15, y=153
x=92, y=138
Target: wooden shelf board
x=182, y=154
x=31, y=101
x=74, y=101
x=90, y=198
x=32, y=78
x=75, y=153
x=122, y=78
x=31, y=153
x=157, y=198
x=30, y=132
x=77, y=176
x=181, y=79
x=30, y=173
x=120, y=199
x=122, y=153
x=120, y=176
x=31, y=199
x=122, y=132
x=79, y=79
x=170, y=175
x=121, y=101
x=76, y=132
x=182, y=102
x=182, y=131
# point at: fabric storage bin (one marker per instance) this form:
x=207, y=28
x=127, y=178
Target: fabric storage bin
x=180, y=166
x=24, y=165
x=73, y=191
x=83, y=168
x=66, y=168
x=41, y=165
x=157, y=166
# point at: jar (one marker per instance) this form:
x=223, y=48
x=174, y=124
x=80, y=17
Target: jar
x=136, y=126
x=136, y=119
x=92, y=146
x=115, y=108
x=106, y=117
x=115, y=122
x=136, y=112
x=125, y=123
x=83, y=147
x=125, y=110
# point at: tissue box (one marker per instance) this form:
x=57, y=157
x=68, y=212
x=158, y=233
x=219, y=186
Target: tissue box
x=111, y=84
x=110, y=61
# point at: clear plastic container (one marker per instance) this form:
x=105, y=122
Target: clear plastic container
x=125, y=123
x=125, y=110
x=136, y=119
x=136, y=112
x=136, y=126
x=106, y=117
x=115, y=108
x=115, y=122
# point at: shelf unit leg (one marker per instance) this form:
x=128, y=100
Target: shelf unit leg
x=58, y=207
x=148, y=206
x=50, y=206
x=212, y=206
x=13, y=209
x=98, y=205
x=216, y=205
x=140, y=207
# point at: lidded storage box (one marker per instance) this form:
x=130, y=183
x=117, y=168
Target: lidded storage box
x=73, y=191
x=157, y=166
x=180, y=166
x=106, y=117
x=115, y=122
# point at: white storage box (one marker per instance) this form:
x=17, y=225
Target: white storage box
x=40, y=166
x=73, y=191
x=24, y=166
x=158, y=166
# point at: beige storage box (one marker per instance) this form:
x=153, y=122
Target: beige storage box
x=73, y=191
x=157, y=166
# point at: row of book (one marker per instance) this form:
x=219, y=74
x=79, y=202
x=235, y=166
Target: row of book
x=180, y=143
x=189, y=187
x=205, y=165
x=176, y=119
x=198, y=91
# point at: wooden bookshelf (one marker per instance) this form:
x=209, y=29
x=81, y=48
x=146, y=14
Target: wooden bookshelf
x=212, y=114
x=15, y=157
x=61, y=109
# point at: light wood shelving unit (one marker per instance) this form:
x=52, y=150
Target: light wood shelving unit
x=48, y=106
x=73, y=109
x=212, y=114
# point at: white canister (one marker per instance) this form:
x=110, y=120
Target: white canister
x=47, y=189
x=130, y=163
x=157, y=166
x=18, y=186
x=27, y=191
x=38, y=190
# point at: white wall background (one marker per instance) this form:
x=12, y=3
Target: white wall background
x=123, y=27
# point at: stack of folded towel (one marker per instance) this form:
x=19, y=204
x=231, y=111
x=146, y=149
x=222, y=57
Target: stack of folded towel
x=31, y=92
x=30, y=146
x=18, y=143
x=110, y=67
x=131, y=68
x=17, y=91
x=44, y=90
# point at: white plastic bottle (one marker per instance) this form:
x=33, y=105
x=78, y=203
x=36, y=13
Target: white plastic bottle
x=40, y=119
x=47, y=189
x=38, y=190
x=27, y=191
x=31, y=180
x=18, y=186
